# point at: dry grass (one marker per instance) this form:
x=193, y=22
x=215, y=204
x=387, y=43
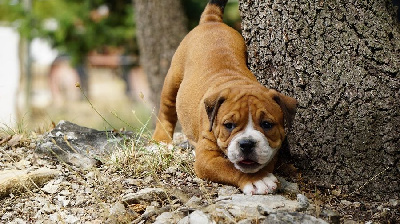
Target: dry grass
x=141, y=160
x=136, y=158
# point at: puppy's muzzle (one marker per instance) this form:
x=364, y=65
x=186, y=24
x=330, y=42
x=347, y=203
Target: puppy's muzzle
x=247, y=146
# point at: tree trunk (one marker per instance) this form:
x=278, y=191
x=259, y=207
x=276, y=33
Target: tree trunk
x=341, y=60
x=160, y=27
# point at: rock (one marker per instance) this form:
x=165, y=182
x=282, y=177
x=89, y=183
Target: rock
x=292, y=217
x=80, y=146
x=357, y=204
x=351, y=222
x=117, y=209
x=16, y=181
x=22, y=164
x=50, y=188
x=303, y=202
x=240, y=205
x=148, y=179
x=63, y=200
x=57, y=217
x=244, y=209
x=196, y=217
x=227, y=191
x=134, y=182
x=64, y=192
x=393, y=202
x=333, y=216
x=71, y=219
x=18, y=221
x=167, y=217
x=288, y=187
x=346, y=203
x=260, y=208
x=171, y=170
x=48, y=208
x=96, y=221
x=186, y=145
x=150, y=212
x=194, y=202
x=6, y=216
x=245, y=221
x=179, y=138
x=146, y=195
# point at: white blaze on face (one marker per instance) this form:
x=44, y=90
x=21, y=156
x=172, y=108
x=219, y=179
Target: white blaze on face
x=262, y=153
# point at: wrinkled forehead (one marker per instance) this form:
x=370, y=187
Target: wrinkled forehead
x=265, y=105
x=235, y=109
x=259, y=105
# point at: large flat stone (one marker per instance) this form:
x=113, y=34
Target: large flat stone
x=17, y=181
x=80, y=146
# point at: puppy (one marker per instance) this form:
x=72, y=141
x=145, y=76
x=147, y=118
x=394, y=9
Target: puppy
x=235, y=123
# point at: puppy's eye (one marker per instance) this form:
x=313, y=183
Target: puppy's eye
x=229, y=126
x=266, y=125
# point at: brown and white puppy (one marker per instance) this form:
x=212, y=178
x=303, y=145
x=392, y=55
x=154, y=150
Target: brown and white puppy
x=235, y=123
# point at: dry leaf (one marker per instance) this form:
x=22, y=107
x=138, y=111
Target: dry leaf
x=15, y=140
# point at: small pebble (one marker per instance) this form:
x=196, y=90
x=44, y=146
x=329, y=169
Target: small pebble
x=303, y=202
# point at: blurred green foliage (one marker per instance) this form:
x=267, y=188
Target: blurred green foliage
x=194, y=8
x=76, y=27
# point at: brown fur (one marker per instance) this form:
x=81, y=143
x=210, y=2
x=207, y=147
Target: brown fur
x=208, y=82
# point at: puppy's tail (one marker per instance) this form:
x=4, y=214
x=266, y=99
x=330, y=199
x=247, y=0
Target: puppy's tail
x=213, y=12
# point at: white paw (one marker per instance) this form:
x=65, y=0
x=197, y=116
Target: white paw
x=266, y=185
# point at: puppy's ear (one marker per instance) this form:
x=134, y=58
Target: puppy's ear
x=213, y=103
x=288, y=106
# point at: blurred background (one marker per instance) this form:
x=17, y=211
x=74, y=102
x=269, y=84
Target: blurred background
x=48, y=46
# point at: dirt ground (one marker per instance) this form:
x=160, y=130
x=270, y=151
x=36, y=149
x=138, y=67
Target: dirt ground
x=94, y=195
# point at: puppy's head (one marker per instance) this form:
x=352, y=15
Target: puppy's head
x=248, y=124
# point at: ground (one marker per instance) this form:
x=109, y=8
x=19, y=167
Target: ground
x=94, y=195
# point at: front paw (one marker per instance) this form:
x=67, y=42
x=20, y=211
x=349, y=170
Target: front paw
x=162, y=136
x=266, y=185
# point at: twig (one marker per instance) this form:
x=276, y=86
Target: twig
x=119, y=118
x=5, y=140
x=87, y=99
x=147, y=215
x=369, y=181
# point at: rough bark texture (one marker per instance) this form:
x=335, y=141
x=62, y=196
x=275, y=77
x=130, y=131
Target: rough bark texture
x=160, y=27
x=341, y=60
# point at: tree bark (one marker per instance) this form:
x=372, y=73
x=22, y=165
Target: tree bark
x=341, y=60
x=160, y=27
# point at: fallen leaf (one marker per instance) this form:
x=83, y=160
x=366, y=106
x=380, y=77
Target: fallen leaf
x=14, y=140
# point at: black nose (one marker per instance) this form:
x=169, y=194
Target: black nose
x=247, y=145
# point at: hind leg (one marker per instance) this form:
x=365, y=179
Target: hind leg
x=167, y=116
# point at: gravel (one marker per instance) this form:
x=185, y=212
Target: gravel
x=104, y=194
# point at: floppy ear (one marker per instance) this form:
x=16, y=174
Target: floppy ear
x=288, y=106
x=213, y=103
